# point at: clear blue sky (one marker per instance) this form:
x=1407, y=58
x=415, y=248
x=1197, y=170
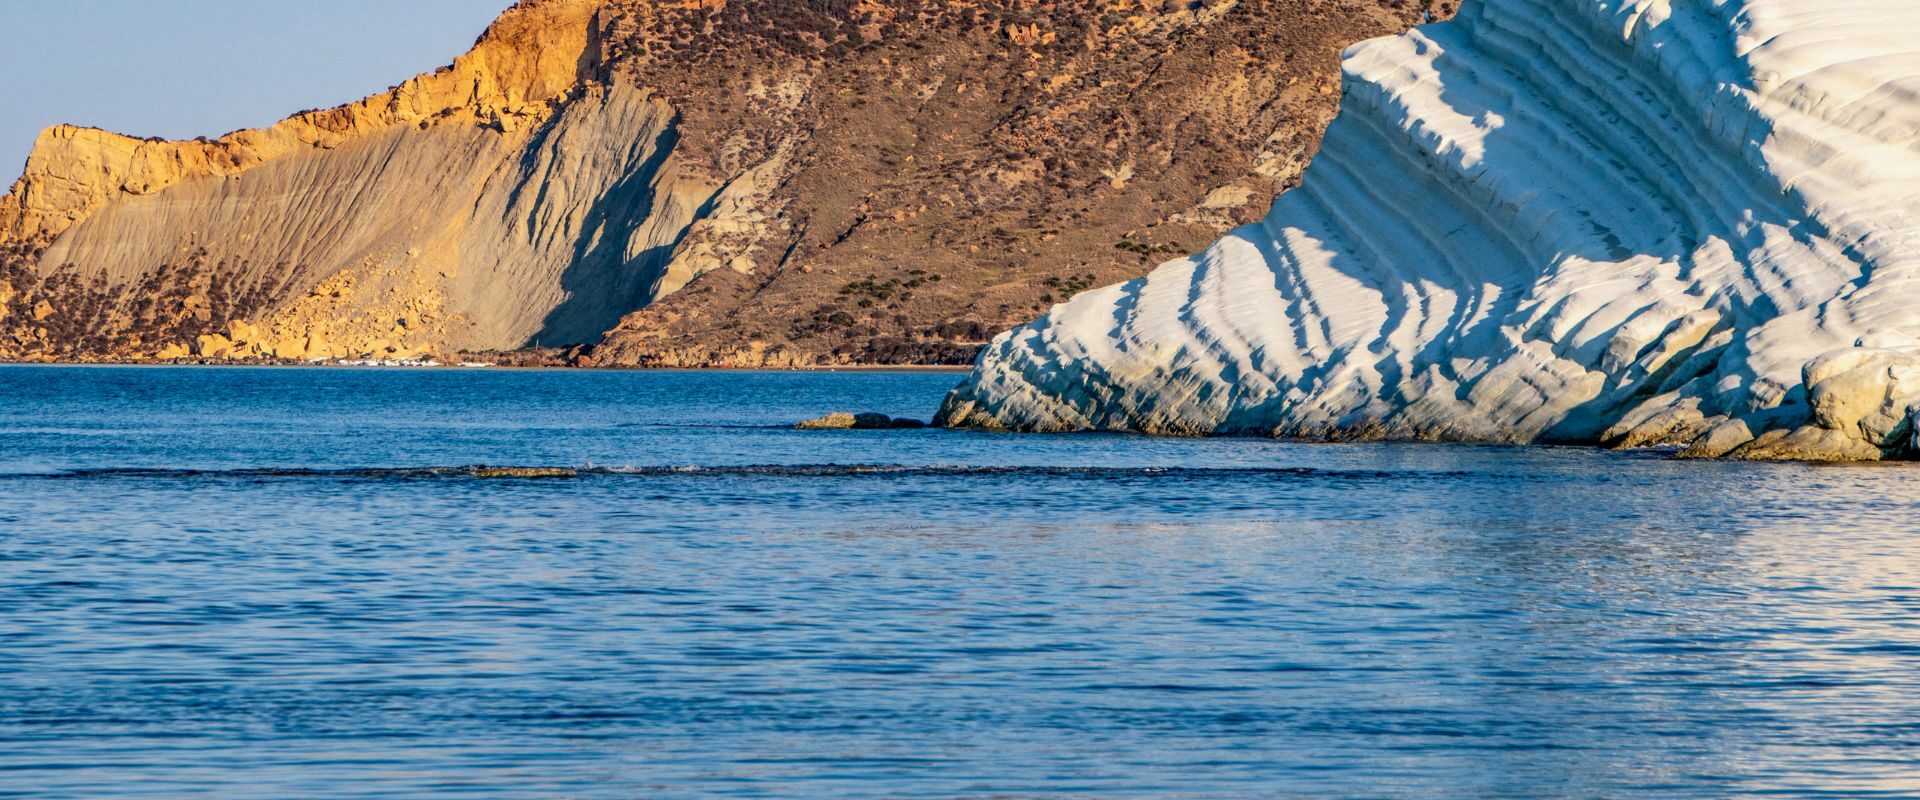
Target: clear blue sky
x=186, y=68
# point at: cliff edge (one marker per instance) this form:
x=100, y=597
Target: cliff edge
x=690, y=183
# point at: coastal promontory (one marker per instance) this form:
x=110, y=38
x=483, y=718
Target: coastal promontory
x=1621, y=222
x=658, y=183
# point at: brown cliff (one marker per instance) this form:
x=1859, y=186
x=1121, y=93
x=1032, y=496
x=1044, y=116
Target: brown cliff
x=703, y=182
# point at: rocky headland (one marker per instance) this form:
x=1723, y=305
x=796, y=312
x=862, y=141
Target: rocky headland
x=1619, y=222
x=654, y=183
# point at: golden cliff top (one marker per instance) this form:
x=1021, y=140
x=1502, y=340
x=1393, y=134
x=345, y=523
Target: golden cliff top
x=537, y=52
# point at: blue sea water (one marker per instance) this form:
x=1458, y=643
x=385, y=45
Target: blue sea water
x=283, y=583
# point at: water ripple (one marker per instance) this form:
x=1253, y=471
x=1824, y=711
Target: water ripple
x=220, y=600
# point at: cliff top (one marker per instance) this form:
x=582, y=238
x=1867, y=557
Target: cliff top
x=536, y=52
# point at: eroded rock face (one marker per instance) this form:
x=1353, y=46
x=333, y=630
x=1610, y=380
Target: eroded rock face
x=1632, y=222
x=515, y=195
x=971, y=164
x=533, y=56
x=1862, y=403
x=804, y=182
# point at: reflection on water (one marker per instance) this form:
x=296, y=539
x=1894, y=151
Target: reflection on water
x=258, y=583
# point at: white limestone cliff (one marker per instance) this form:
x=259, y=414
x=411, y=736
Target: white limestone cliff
x=1628, y=222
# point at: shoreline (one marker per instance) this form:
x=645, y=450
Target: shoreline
x=877, y=368
x=1664, y=452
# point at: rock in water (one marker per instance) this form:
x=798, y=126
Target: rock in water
x=841, y=420
x=1627, y=222
x=838, y=420
x=524, y=472
x=872, y=422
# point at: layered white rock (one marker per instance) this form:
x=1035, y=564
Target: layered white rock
x=1620, y=221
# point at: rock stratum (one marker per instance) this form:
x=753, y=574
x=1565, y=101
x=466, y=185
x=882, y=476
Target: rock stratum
x=1624, y=222
x=690, y=182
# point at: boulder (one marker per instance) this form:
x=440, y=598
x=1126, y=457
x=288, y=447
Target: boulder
x=213, y=345
x=841, y=420
x=838, y=420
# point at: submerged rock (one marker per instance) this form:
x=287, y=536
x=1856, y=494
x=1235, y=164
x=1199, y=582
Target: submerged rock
x=1589, y=221
x=524, y=472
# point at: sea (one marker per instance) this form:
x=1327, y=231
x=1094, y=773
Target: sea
x=332, y=583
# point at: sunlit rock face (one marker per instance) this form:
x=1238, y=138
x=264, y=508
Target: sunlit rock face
x=512, y=196
x=768, y=183
x=1592, y=221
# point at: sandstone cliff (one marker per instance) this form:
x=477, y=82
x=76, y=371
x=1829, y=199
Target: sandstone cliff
x=698, y=182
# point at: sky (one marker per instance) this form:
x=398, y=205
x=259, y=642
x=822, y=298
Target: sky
x=185, y=68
